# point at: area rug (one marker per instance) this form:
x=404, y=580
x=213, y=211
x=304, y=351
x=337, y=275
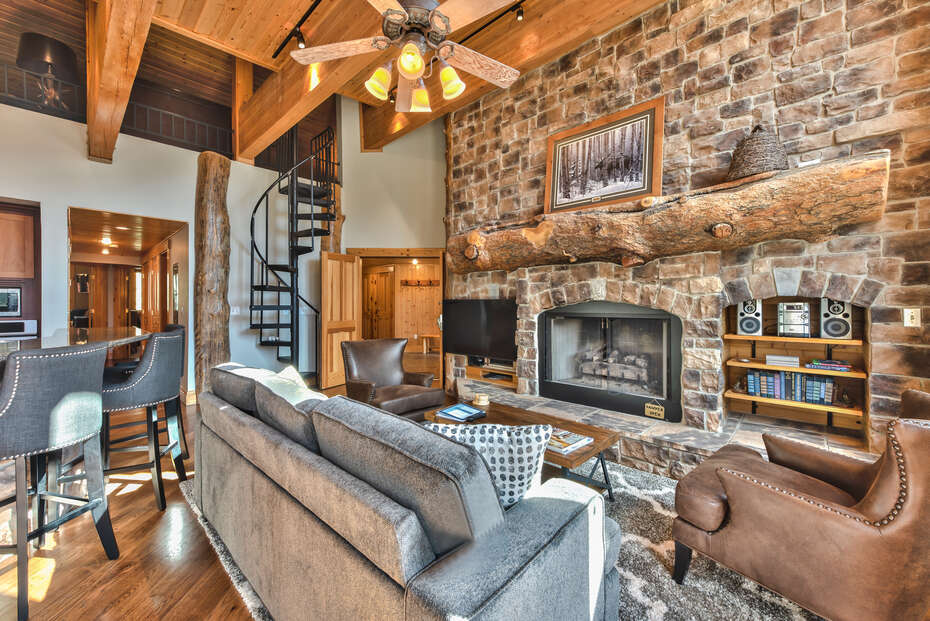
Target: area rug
x=644, y=509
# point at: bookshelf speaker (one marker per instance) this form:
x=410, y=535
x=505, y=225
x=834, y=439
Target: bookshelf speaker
x=749, y=318
x=835, y=319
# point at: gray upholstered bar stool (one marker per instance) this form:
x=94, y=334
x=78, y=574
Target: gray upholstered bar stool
x=50, y=400
x=156, y=380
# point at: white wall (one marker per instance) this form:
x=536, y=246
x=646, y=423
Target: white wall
x=395, y=198
x=44, y=159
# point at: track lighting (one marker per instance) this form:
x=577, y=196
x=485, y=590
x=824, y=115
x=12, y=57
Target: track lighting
x=519, y=13
x=301, y=42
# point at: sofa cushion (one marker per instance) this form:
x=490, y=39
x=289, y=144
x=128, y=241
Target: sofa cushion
x=286, y=406
x=235, y=383
x=612, y=537
x=514, y=454
x=445, y=483
x=701, y=500
x=407, y=397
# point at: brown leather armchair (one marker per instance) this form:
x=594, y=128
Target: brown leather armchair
x=375, y=374
x=844, y=538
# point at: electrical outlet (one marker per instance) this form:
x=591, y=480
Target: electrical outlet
x=911, y=317
x=233, y=310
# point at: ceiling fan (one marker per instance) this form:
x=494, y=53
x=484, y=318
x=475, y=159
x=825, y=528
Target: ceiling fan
x=418, y=27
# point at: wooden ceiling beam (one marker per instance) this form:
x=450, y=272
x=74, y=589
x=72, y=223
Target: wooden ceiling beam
x=273, y=65
x=242, y=91
x=290, y=94
x=116, y=31
x=550, y=28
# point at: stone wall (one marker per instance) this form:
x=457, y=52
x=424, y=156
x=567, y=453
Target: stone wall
x=834, y=78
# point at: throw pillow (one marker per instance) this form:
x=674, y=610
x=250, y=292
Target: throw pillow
x=514, y=455
x=286, y=406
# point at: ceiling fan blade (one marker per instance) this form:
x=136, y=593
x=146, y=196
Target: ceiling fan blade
x=463, y=12
x=404, y=97
x=332, y=51
x=477, y=64
x=384, y=5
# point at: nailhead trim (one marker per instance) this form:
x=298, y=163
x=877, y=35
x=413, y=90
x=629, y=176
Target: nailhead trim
x=902, y=483
x=38, y=357
x=151, y=364
x=52, y=448
x=136, y=406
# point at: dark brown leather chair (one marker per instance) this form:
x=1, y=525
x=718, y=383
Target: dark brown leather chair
x=844, y=538
x=375, y=374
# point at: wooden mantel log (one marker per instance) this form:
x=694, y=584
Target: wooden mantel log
x=808, y=203
x=211, y=281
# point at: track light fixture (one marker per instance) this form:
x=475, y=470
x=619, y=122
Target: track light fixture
x=519, y=13
x=301, y=42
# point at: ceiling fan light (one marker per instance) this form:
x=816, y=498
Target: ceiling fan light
x=410, y=63
x=452, y=84
x=419, y=100
x=379, y=84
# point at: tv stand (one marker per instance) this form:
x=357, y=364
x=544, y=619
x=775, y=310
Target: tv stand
x=498, y=372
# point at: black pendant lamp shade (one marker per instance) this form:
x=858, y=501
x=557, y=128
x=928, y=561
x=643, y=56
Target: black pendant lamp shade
x=46, y=56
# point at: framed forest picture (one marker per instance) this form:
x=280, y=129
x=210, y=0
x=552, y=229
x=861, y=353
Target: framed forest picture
x=613, y=159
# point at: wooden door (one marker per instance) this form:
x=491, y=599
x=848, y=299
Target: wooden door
x=99, y=304
x=378, y=301
x=340, y=312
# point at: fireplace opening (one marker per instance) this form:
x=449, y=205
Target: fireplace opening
x=614, y=356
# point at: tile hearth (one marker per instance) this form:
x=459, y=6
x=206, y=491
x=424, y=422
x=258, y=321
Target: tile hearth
x=671, y=449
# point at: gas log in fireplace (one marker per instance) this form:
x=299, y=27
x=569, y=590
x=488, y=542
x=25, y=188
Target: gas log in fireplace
x=614, y=356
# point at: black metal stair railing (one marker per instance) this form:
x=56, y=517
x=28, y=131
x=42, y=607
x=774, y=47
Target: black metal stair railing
x=310, y=187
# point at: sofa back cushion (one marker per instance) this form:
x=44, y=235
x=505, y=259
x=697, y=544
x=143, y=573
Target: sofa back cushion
x=445, y=483
x=286, y=406
x=235, y=384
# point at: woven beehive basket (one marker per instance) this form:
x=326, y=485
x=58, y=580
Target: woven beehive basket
x=758, y=152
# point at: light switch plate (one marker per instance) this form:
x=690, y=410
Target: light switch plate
x=234, y=310
x=911, y=317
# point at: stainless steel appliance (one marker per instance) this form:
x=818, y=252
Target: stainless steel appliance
x=18, y=329
x=11, y=299
x=794, y=319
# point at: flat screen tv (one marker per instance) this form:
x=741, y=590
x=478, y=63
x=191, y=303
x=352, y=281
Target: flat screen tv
x=480, y=328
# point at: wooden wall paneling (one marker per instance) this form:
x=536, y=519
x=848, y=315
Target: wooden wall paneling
x=116, y=33
x=417, y=307
x=378, y=302
x=99, y=308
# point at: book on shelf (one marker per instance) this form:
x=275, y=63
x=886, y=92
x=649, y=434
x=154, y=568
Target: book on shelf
x=564, y=442
x=460, y=413
x=829, y=365
x=782, y=361
x=791, y=386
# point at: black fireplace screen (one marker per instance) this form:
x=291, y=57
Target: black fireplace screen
x=616, y=356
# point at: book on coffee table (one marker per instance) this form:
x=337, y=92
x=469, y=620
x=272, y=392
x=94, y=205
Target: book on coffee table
x=564, y=442
x=460, y=413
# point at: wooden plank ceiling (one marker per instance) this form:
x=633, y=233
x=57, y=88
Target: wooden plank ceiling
x=192, y=44
x=132, y=235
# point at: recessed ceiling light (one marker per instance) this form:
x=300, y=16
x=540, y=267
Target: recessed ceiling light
x=105, y=251
x=106, y=241
x=122, y=228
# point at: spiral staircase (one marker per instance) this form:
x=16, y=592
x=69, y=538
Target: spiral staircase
x=275, y=302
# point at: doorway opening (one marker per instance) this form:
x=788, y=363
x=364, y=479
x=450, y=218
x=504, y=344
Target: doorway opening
x=126, y=271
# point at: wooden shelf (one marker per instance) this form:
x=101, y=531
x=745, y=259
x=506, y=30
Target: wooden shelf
x=793, y=340
x=758, y=364
x=732, y=394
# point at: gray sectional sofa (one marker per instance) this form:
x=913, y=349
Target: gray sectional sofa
x=336, y=510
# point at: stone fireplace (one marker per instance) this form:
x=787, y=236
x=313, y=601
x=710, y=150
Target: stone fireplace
x=612, y=355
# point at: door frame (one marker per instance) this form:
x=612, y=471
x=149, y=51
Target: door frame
x=413, y=253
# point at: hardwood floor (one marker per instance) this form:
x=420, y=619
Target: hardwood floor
x=167, y=568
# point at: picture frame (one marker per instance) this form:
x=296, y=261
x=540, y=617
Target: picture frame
x=613, y=159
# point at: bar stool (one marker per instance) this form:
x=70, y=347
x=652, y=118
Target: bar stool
x=156, y=380
x=49, y=400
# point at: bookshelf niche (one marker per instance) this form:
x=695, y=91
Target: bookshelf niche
x=744, y=354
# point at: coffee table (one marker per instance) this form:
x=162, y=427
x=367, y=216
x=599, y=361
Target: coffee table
x=498, y=414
